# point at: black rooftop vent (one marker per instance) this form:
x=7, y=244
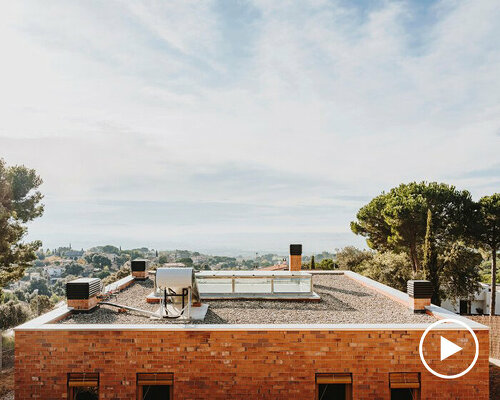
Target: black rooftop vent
x=295, y=249
x=138, y=265
x=420, y=289
x=83, y=288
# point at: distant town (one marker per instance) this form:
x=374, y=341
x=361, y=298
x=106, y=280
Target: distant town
x=46, y=278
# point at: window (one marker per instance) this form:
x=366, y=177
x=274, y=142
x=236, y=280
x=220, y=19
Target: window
x=83, y=386
x=334, y=386
x=154, y=386
x=404, y=385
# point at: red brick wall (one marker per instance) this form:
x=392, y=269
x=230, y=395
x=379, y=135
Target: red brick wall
x=235, y=364
x=494, y=324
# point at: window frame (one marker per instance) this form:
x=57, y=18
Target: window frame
x=335, y=378
x=154, y=379
x=82, y=379
x=405, y=380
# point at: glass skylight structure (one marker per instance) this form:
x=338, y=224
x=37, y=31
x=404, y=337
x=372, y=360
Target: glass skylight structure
x=254, y=284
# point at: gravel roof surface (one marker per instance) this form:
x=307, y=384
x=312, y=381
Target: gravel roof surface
x=343, y=301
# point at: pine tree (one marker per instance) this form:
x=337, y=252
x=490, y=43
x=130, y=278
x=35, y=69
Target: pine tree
x=430, y=263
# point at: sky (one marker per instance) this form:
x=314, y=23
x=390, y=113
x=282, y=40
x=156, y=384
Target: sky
x=243, y=126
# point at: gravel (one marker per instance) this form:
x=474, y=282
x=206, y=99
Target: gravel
x=343, y=301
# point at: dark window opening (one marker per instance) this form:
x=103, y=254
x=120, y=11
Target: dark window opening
x=155, y=386
x=331, y=392
x=403, y=394
x=334, y=386
x=156, y=392
x=464, y=307
x=85, y=393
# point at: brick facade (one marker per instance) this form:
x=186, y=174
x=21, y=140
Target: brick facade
x=494, y=323
x=239, y=364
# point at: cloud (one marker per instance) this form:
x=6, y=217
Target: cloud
x=311, y=104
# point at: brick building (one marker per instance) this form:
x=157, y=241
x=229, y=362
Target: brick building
x=360, y=340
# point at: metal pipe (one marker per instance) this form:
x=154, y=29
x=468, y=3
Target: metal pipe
x=150, y=313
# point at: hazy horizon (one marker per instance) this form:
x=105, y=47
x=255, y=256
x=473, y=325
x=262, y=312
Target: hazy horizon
x=243, y=125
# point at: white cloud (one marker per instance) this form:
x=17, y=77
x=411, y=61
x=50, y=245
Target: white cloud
x=123, y=100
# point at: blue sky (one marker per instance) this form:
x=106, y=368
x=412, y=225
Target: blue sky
x=243, y=125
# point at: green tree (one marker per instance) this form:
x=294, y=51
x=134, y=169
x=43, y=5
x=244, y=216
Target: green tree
x=101, y=261
x=350, y=257
x=111, y=249
x=19, y=204
x=430, y=264
x=40, y=303
x=313, y=264
x=73, y=269
x=392, y=269
x=459, y=271
x=186, y=261
x=41, y=285
x=397, y=220
x=326, y=263
x=487, y=235
x=12, y=314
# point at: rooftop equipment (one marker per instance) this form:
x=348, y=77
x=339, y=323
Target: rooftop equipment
x=138, y=267
x=82, y=293
x=178, y=285
x=295, y=257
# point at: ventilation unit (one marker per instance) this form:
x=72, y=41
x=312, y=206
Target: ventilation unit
x=82, y=293
x=138, y=268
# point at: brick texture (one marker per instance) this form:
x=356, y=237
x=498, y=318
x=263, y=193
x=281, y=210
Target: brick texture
x=83, y=304
x=295, y=263
x=494, y=323
x=140, y=274
x=419, y=304
x=240, y=364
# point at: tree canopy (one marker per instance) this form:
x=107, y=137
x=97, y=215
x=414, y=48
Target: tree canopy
x=397, y=220
x=20, y=202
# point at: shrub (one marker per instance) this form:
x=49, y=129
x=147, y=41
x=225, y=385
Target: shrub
x=389, y=268
x=13, y=313
x=350, y=257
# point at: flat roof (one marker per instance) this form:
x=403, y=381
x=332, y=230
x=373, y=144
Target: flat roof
x=343, y=300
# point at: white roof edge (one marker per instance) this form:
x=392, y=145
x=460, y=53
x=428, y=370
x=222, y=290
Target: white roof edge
x=442, y=313
x=237, y=327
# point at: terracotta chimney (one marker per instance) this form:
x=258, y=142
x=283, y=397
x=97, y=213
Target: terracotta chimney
x=295, y=257
x=420, y=294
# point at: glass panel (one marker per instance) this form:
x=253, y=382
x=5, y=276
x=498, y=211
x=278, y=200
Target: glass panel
x=214, y=285
x=252, y=285
x=292, y=285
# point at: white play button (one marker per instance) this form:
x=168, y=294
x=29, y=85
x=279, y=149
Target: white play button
x=448, y=348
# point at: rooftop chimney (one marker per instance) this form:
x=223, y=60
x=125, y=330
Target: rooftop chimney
x=138, y=268
x=420, y=293
x=295, y=257
x=82, y=293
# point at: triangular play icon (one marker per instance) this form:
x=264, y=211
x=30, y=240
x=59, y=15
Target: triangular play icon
x=448, y=348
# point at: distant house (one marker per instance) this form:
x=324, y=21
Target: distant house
x=54, y=271
x=477, y=304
